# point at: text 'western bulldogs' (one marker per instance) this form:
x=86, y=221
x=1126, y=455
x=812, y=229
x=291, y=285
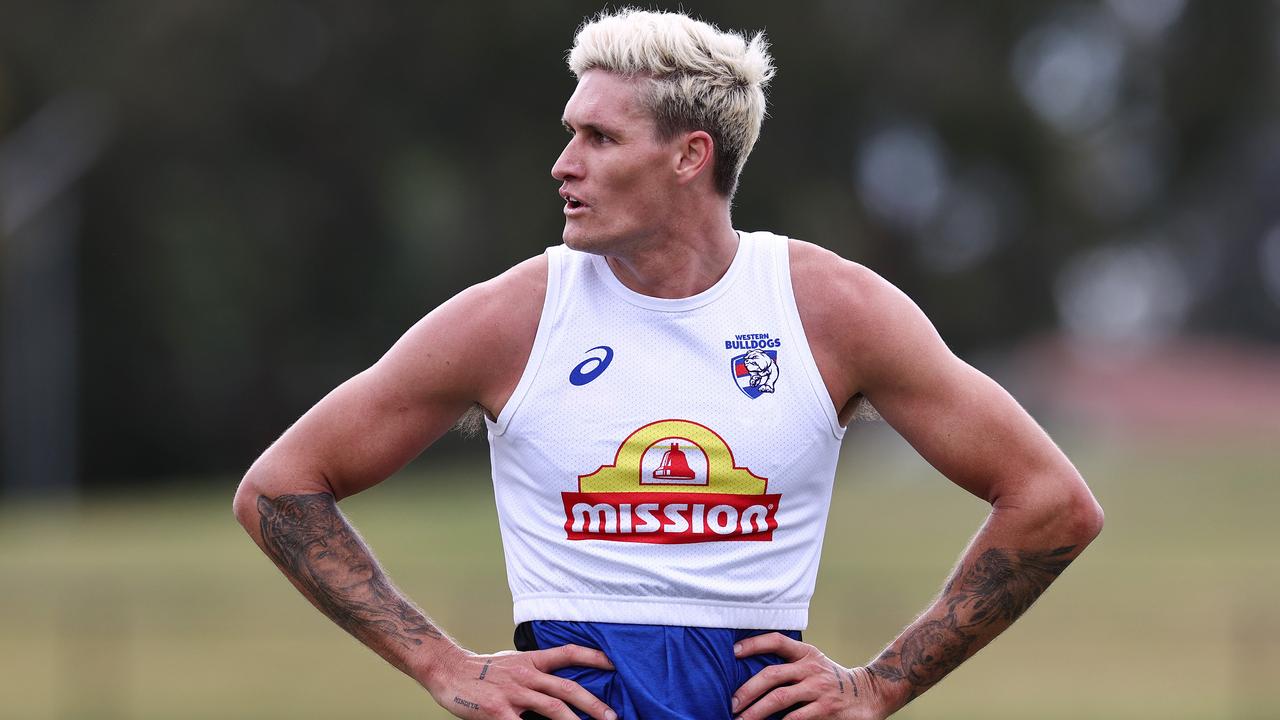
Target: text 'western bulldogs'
x=752, y=341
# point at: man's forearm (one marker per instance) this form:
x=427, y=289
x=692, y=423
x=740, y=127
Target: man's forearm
x=994, y=584
x=314, y=546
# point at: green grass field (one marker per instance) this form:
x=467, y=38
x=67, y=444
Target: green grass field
x=158, y=606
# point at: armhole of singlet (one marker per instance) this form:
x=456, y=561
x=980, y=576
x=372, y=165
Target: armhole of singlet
x=549, y=304
x=782, y=267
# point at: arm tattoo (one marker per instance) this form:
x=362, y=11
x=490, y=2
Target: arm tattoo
x=1000, y=588
x=981, y=600
x=313, y=544
x=886, y=667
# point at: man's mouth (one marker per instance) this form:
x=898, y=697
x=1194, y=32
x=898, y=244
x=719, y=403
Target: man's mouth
x=572, y=202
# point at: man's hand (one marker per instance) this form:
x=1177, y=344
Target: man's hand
x=821, y=687
x=505, y=684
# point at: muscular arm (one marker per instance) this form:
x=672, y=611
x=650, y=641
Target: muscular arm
x=471, y=350
x=359, y=434
x=871, y=341
x=312, y=543
x=984, y=595
x=970, y=429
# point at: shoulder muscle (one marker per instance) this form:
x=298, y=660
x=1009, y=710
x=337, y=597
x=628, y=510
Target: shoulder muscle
x=860, y=327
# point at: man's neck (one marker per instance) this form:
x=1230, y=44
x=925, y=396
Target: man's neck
x=682, y=262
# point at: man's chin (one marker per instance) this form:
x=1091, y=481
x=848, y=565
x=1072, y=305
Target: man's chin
x=578, y=241
x=595, y=243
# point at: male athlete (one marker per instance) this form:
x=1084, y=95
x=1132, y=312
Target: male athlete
x=665, y=399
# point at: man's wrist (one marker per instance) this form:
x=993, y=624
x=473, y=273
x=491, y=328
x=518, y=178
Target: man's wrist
x=433, y=668
x=888, y=694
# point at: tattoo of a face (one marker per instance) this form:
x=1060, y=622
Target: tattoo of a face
x=934, y=649
x=313, y=544
x=993, y=591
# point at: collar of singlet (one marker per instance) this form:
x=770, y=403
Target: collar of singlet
x=740, y=259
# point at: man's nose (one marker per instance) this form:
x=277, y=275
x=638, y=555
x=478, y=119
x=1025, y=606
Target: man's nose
x=567, y=165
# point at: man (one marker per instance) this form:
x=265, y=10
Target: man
x=665, y=399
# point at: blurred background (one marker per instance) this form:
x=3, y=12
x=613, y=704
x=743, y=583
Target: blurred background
x=213, y=213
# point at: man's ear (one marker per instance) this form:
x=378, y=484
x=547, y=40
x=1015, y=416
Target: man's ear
x=696, y=153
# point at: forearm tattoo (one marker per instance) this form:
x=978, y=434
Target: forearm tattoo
x=313, y=544
x=981, y=599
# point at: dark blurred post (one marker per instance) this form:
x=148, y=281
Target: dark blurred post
x=39, y=216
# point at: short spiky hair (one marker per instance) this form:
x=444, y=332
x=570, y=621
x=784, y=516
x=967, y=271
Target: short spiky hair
x=699, y=77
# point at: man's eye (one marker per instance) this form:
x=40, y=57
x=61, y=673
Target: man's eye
x=601, y=137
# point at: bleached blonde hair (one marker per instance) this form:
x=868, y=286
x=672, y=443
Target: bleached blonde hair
x=698, y=77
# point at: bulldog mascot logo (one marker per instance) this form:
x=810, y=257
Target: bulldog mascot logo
x=756, y=372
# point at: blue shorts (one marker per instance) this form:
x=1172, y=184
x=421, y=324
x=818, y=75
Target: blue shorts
x=663, y=672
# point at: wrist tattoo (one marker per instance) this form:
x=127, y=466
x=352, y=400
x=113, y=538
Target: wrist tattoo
x=313, y=544
x=991, y=592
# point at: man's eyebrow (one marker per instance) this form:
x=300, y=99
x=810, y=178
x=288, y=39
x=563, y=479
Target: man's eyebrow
x=589, y=127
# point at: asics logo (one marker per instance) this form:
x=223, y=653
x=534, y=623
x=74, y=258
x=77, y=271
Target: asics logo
x=590, y=369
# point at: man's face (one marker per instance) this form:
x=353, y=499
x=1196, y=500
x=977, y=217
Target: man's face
x=616, y=176
x=335, y=559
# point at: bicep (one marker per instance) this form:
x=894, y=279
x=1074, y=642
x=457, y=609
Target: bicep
x=373, y=424
x=961, y=421
x=363, y=431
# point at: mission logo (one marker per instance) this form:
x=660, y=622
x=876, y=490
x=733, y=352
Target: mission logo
x=671, y=481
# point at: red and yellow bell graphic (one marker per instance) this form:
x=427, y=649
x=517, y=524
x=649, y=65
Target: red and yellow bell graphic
x=674, y=465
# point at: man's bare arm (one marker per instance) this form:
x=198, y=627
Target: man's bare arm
x=870, y=340
x=984, y=596
x=970, y=429
x=362, y=432
x=315, y=546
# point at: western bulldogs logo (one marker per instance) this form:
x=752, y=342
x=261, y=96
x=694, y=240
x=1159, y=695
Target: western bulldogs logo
x=756, y=372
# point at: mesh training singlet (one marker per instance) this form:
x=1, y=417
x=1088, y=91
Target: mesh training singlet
x=667, y=461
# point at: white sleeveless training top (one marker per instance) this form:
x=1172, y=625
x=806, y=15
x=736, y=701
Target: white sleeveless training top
x=667, y=462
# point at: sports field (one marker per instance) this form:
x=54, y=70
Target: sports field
x=158, y=606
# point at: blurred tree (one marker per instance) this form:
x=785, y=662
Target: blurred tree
x=292, y=184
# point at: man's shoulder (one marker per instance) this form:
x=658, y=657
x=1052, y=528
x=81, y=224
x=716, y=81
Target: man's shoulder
x=501, y=314
x=521, y=283
x=487, y=317
x=830, y=287
x=475, y=343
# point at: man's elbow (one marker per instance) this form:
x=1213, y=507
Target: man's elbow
x=1083, y=516
x=245, y=503
x=256, y=485
x=275, y=474
x=1060, y=509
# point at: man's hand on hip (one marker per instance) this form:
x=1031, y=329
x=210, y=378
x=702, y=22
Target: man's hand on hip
x=821, y=687
x=505, y=684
